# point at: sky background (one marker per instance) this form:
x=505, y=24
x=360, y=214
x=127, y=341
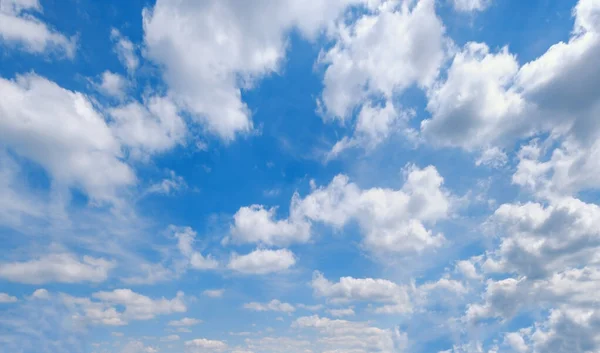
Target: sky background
x=261, y=176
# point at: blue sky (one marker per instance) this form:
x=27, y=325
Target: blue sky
x=287, y=176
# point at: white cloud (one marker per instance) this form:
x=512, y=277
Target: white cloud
x=273, y=305
x=516, y=342
x=169, y=186
x=40, y=293
x=82, y=152
x=104, y=308
x=112, y=85
x=492, y=157
x=213, y=293
x=471, y=5
x=185, y=240
x=186, y=321
x=201, y=345
x=64, y=268
x=262, y=261
x=391, y=220
x=475, y=106
x=352, y=336
x=6, y=298
x=341, y=312
x=499, y=103
x=232, y=47
x=255, y=224
x=350, y=289
x=125, y=49
x=19, y=26
x=382, y=53
x=468, y=269
x=154, y=127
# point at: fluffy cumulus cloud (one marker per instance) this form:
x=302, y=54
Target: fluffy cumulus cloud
x=256, y=224
x=273, y=305
x=150, y=128
x=548, y=257
x=186, y=321
x=200, y=345
x=104, y=308
x=395, y=297
x=352, y=336
x=19, y=27
x=62, y=131
x=380, y=55
x=7, y=298
x=391, y=220
x=62, y=268
x=471, y=5
x=243, y=49
x=262, y=261
x=112, y=85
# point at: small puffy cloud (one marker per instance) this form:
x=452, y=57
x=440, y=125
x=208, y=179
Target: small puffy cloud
x=349, y=289
x=169, y=186
x=538, y=240
x=6, y=298
x=213, y=293
x=185, y=240
x=229, y=54
x=382, y=53
x=487, y=109
x=262, y=261
x=112, y=85
x=63, y=268
x=154, y=127
x=273, y=305
x=18, y=26
x=467, y=269
x=40, y=293
x=201, y=345
x=102, y=308
x=255, y=224
x=186, y=321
